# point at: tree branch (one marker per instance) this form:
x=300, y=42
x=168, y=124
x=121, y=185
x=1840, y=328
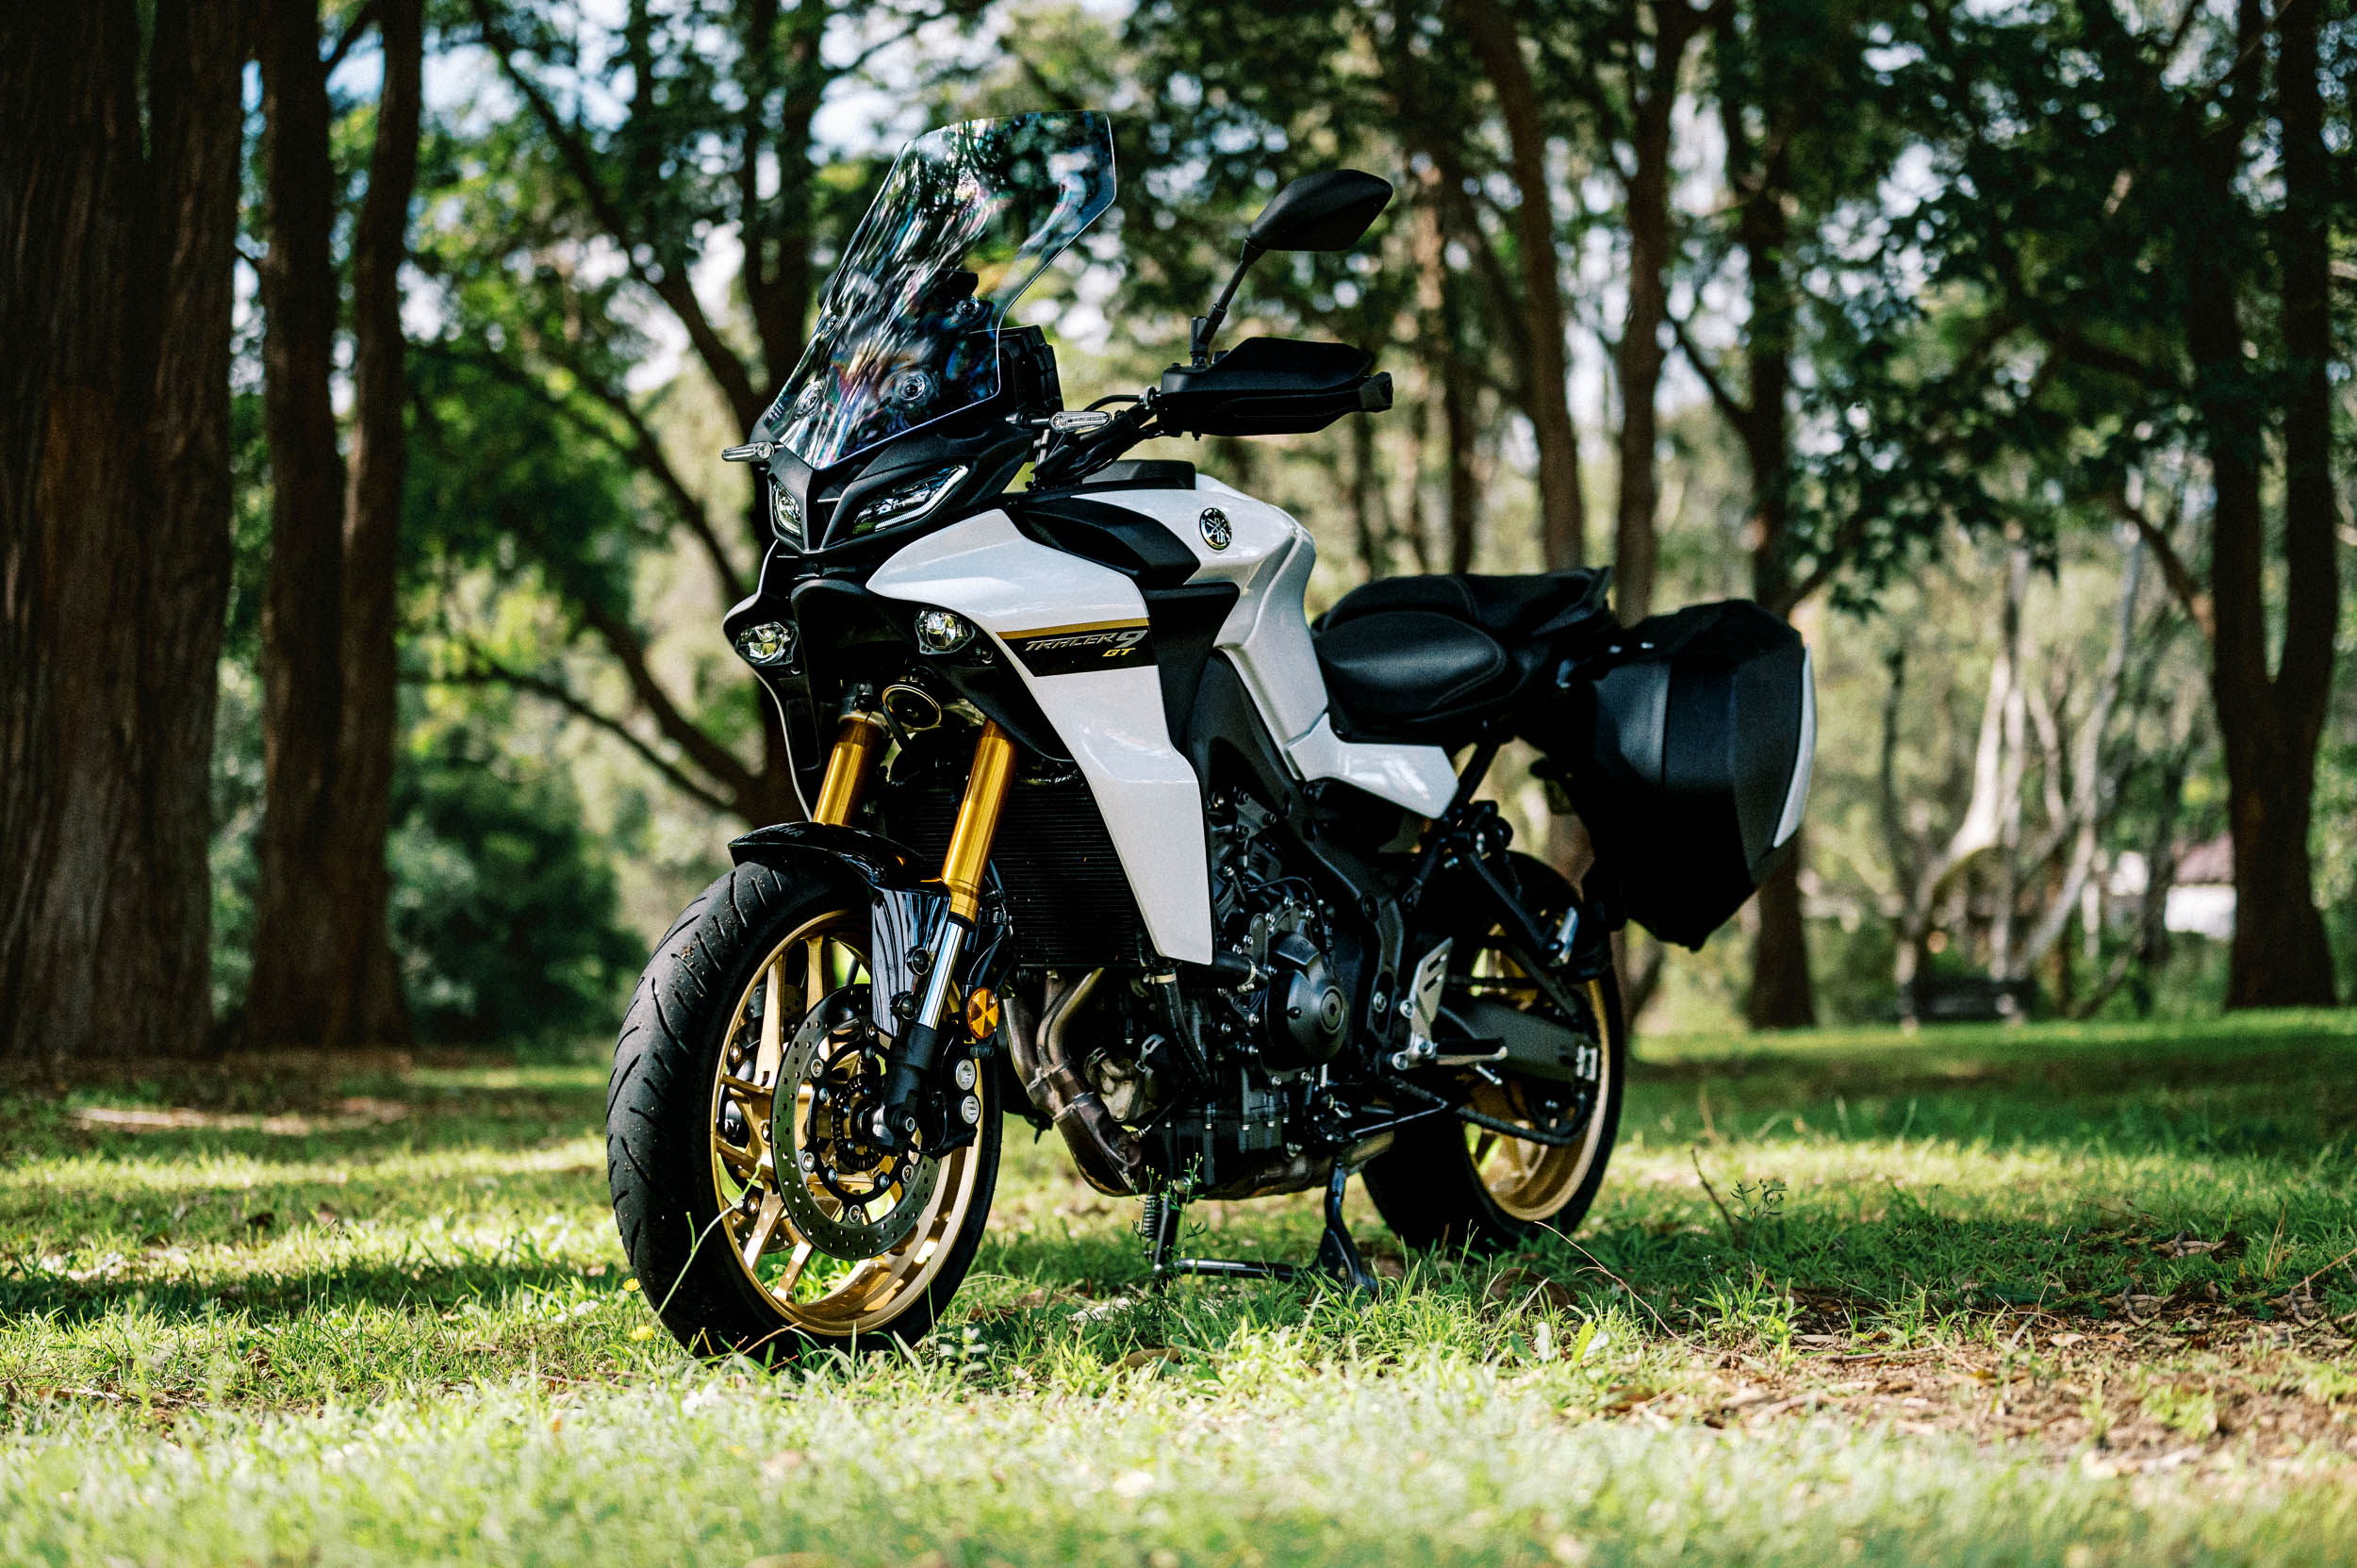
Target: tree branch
x=2183, y=585
x=723, y=765
x=673, y=288
x=1733, y=410
x=647, y=453
x=362, y=20
x=485, y=672
x=642, y=449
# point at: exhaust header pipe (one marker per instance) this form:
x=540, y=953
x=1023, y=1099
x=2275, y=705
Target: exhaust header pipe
x=1108, y=1157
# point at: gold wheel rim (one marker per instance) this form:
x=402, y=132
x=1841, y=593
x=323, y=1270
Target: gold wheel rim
x=811, y=1291
x=1531, y=1180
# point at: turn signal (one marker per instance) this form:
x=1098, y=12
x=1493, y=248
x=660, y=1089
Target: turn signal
x=981, y=1014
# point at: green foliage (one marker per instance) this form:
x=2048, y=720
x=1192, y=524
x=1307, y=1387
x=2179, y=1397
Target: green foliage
x=504, y=908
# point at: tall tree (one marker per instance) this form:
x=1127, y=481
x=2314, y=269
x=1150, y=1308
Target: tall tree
x=2095, y=235
x=1628, y=64
x=1798, y=138
x=1544, y=336
x=119, y=159
x=323, y=967
x=2272, y=721
x=298, y=985
x=365, y=985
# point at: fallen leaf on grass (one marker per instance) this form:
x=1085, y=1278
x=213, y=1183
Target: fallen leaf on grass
x=1151, y=1356
x=2185, y=1244
x=1524, y=1285
x=2059, y=1341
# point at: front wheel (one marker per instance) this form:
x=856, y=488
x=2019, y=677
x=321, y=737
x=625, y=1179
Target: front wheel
x=757, y=1216
x=1449, y=1184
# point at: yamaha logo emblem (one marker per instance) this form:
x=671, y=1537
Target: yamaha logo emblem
x=1215, y=530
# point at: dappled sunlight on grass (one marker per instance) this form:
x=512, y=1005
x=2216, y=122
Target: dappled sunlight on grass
x=1835, y=1292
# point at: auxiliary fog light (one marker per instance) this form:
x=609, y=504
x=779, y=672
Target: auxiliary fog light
x=770, y=643
x=940, y=632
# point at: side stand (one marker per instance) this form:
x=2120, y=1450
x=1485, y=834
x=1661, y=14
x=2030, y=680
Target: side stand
x=1338, y=1255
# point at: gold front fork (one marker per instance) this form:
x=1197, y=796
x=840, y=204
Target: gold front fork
x=858, y=740
x=987, y=785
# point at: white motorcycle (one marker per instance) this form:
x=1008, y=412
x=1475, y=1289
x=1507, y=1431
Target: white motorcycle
x=1105, y=833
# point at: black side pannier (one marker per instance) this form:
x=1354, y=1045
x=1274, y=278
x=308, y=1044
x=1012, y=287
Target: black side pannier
x=1684, y=744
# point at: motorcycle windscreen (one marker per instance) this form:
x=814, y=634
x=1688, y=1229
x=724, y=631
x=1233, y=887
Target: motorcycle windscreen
x=908, y=326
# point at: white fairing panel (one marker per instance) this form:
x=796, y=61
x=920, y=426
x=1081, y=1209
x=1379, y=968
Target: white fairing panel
x=1269, y=558
x=1110, y=720
x=1796, y=795
x=1417, y=777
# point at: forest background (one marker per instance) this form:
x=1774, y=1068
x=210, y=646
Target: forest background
x=363, y=541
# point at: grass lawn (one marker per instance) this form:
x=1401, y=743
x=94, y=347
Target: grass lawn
x=2044, y=1295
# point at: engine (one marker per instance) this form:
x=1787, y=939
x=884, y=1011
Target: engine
x=1224, y=1083
x=1290, y=1011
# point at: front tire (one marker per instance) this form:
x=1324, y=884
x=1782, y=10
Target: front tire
x=710, y=1230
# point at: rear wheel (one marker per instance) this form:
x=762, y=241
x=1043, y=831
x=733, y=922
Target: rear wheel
x=758, y=1216
x=1449, y=1184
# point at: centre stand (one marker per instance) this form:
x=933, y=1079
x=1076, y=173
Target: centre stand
x=1338, y=1255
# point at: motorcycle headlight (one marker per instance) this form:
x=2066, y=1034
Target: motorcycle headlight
x=903, y=502
x=785, y=515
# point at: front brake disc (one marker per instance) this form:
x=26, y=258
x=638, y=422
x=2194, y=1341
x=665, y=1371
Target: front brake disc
x=842, y=1190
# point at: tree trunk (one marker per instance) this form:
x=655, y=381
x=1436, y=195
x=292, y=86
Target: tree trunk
x=114, y=517
x=1642, y=354
x=198, y=108
x=1783, y=993
x=2271, y=723
x=1562, y=509
x=364, y=996
x=297, y=945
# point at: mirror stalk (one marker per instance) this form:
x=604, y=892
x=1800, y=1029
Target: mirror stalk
x=1207, y=327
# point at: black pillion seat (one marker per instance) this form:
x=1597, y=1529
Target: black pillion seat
x=1430, y=659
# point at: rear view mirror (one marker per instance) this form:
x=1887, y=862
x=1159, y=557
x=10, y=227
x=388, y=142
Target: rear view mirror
x=1325, y=211
x=1328, y=210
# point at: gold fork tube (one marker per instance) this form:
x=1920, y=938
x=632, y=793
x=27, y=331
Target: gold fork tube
x=857, y=741
x=986, y=786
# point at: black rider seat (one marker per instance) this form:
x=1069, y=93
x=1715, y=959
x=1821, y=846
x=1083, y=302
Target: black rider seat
x=1430, y=659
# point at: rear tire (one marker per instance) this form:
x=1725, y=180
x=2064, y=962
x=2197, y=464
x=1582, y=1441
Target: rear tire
x=1444, y=1184
x=701, y=1219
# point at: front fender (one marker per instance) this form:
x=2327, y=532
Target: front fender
x=803, y=846
x=905, y=911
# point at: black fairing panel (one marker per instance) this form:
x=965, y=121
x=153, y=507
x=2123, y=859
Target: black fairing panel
x=1185, y=617
x=1185, y=623
x=1129, y=542
x=1680, y=743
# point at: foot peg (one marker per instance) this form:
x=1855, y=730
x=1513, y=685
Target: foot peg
x=1338, y=1255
